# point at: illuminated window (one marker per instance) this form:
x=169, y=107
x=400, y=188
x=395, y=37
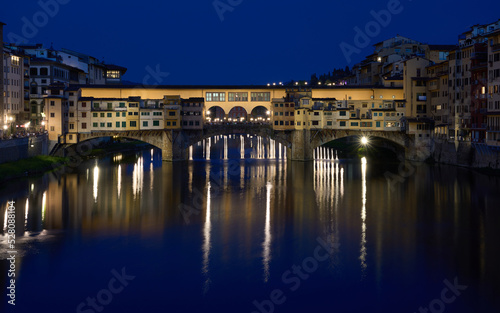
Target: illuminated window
x=216, y=96
x=261, y=96
x=237, y=96
x=113, y=74
x=15, y=60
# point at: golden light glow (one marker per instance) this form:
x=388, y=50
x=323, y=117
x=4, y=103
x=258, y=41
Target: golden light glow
x=364, y=140
x=267, y=234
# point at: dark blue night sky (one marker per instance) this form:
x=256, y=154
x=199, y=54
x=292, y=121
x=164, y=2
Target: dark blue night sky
x=255, y=42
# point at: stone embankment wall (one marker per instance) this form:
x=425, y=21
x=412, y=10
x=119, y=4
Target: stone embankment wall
x=466, y=154
x=22, y=148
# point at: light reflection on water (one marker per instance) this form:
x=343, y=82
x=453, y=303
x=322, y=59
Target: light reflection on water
x=254, y=216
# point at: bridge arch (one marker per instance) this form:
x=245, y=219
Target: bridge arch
x=322, y=137
x=260, y=112
x=238, y=114
x=216, y=114
x=245, y=129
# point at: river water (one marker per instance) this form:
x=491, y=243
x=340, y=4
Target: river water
x=238, y=228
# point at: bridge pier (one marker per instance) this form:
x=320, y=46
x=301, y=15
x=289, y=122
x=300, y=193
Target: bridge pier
x=419, y=150
x=173, y=146
x=301, y=146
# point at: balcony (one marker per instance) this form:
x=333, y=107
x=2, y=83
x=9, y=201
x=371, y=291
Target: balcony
x=495, y=47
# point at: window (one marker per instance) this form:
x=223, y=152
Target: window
x=237, y=96
x=33, y=71
x=113, y=74
x=84, y=125
x=133, y=124
x=136, y=113
x=316, y=113
x=156, y=123
x=171, y=113
x=261, y=96
x=52, y=103
x=122, y=104
x=102, y=114
x=71, y=126
x=216, y=96
x=84, y=104
x=305, y=101
x=168, y=123
x=145, y=124
x=71, y=114
x=44, y=71
x=117, y=114
x=124, y=124
x=354, y=124
x=110, y=106
x=94, y=124
x=117, y=124
x=329, y=123
x=124, y=114
x=276, y=123
x=102, y=124
x=377, y=124
x=110, y=125
x=96, y=105
x=71, y=103
x=174, y=123
x=342, y=113
x=94, y=114
x=157, y=113
x=52, y=128
x=52, y=115
x=342, y=123
x=109, y=115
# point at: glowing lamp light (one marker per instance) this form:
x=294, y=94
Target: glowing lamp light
x=364, y=141
x=4, y=126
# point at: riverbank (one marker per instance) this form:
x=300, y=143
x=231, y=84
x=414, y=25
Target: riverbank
x=33, y=166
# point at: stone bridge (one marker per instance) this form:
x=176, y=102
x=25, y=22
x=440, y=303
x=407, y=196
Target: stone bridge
x=300, y=143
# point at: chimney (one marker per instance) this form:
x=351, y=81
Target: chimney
x=2, y=109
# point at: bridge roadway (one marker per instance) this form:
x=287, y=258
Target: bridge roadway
x=300, y=143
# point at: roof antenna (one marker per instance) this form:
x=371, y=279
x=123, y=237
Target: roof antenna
x=51, y=46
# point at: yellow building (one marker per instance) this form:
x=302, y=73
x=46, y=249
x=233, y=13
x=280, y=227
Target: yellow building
x=172, y=106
